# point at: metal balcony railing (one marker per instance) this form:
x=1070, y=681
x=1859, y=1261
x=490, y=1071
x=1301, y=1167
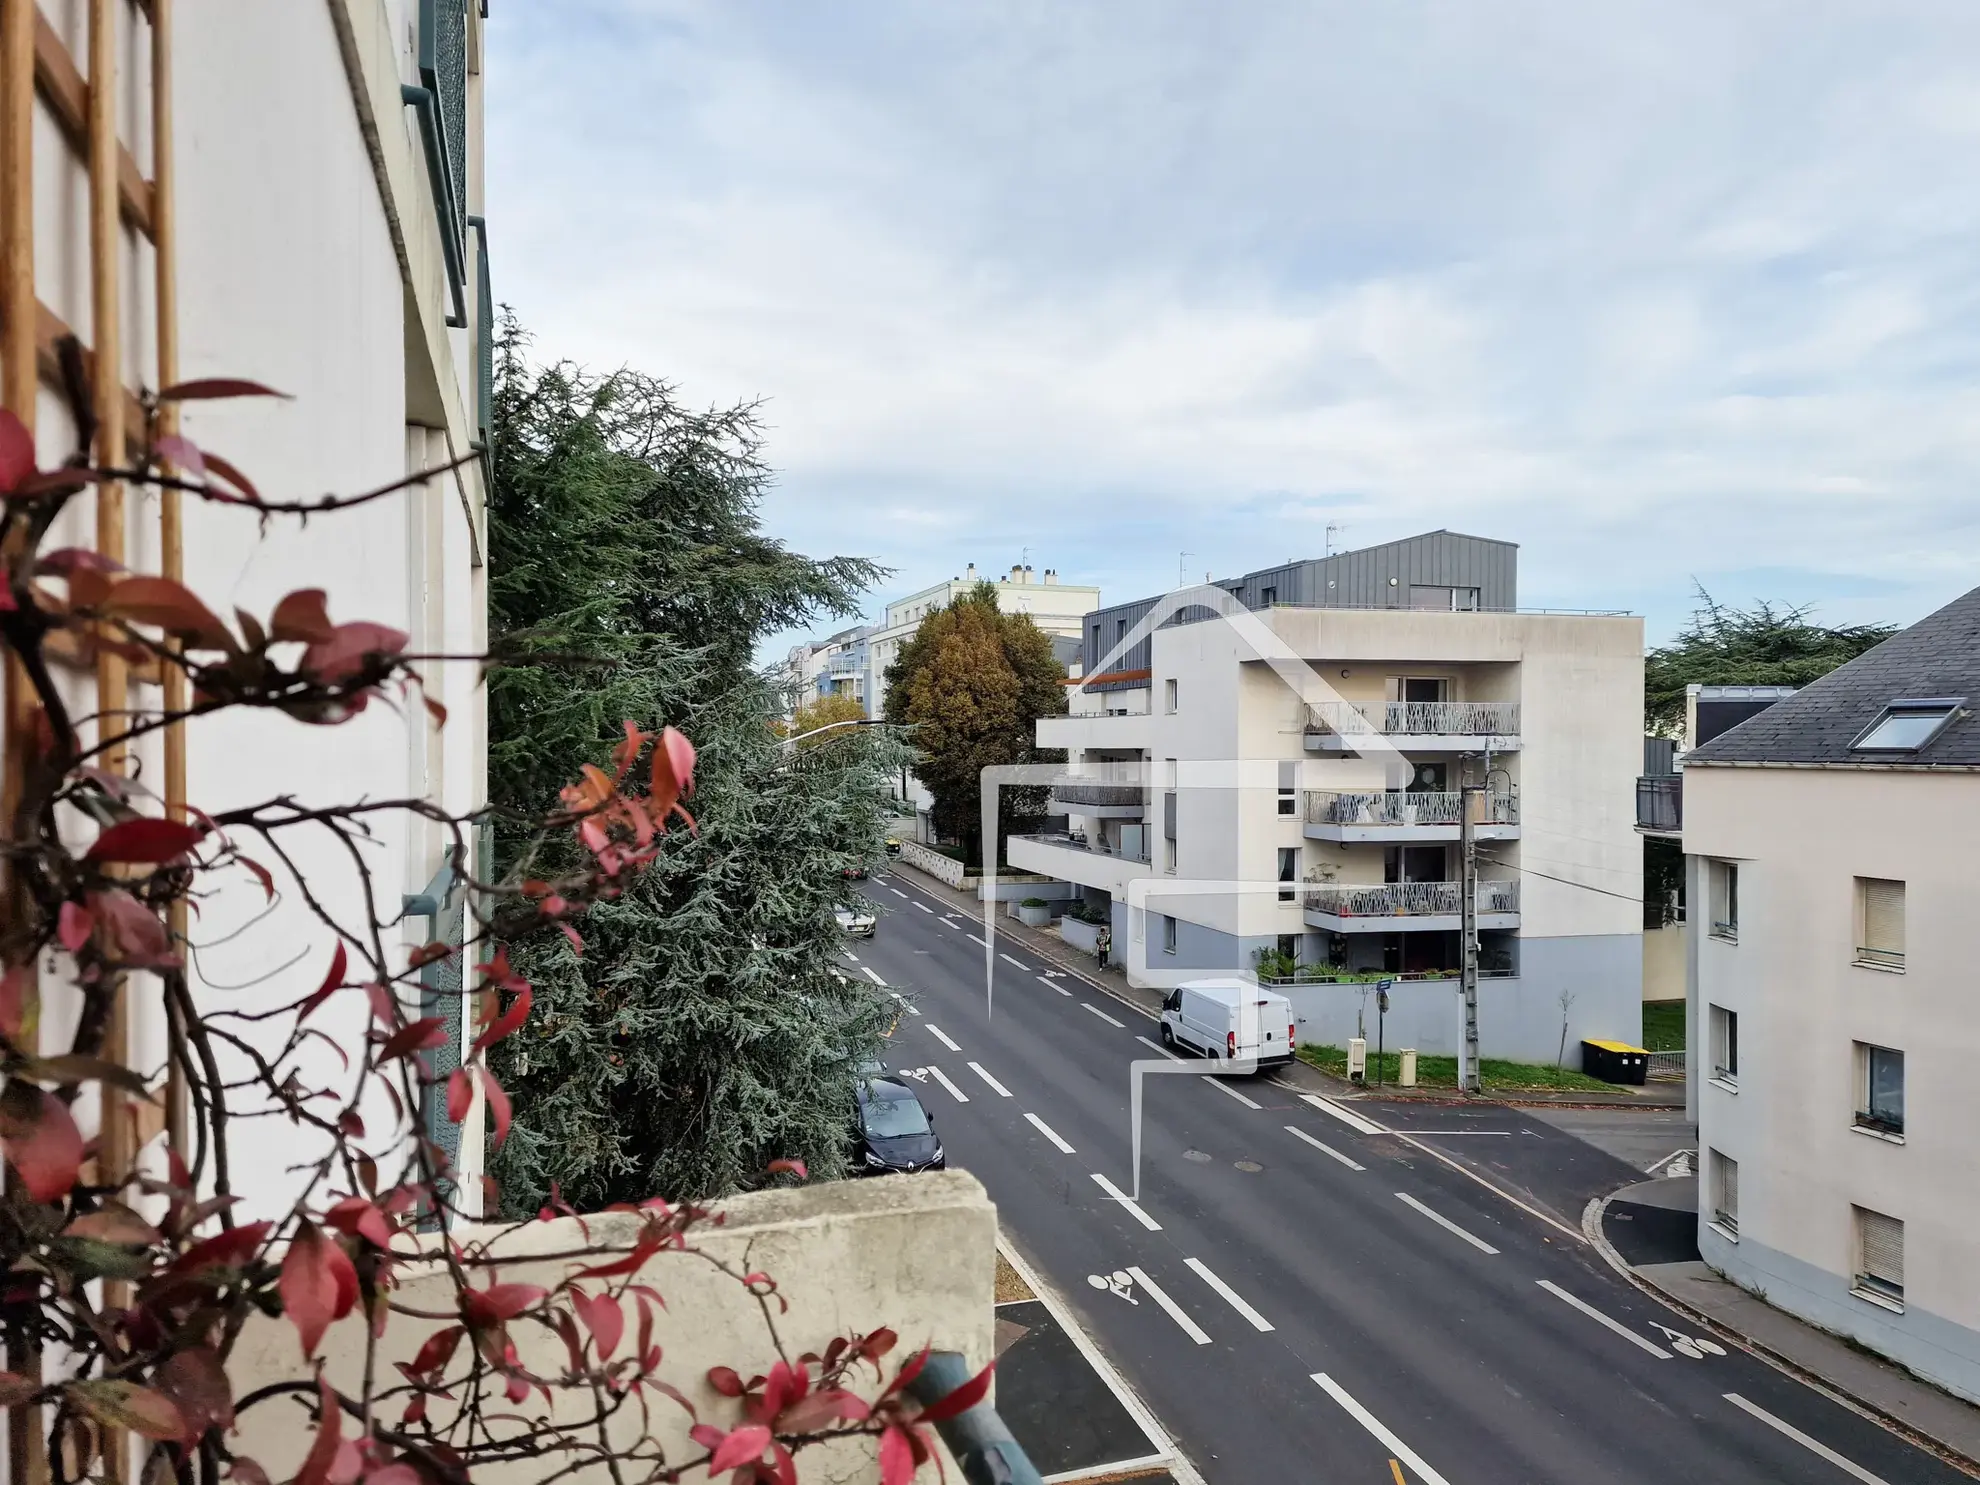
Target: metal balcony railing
x=1409, y=899
x=1660, y=802
x=1095, y=845
x=1407, y=807
x=1415, y=718
x=1103, y=781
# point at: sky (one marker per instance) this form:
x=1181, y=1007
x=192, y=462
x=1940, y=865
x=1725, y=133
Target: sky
x=1668, y=293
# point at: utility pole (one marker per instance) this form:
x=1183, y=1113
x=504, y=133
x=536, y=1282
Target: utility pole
x=1467, y=1079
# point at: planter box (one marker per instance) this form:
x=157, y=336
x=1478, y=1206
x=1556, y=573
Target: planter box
x=1084, y=937
x=1034, y=917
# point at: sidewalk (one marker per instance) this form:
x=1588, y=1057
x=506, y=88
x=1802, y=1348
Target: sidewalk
x=1649, y=1232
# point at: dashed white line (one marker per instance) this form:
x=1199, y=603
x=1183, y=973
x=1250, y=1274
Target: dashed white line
x=1175, y=1311
x=1049, y=1132
x=984, y=942
x=1373, y=1424
x=1157, y=1046
x=1594, y=1314
x=1445, y=1222
x=867, y=970
x=943, y=1078
x=1055, y=985
x=850, y=955
x=924, y=907
x=898, y=893
x=1018, y=963
x=907, y=1005
x=1853, y=1470
x=1223, y=1087
x=1297, y=1133
x=1258, y=1321
x=1088, y=1005
x=942, y=1036
x=1127, y=1201
x=1353, y=1121
x=977, y=1068
x=947, y=924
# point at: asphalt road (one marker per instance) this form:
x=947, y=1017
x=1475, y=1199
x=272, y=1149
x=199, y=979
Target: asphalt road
x=1314, y=1296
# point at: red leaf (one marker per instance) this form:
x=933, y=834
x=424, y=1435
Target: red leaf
x=65, y=561
x=217, y=465
x=315, y=1288
x=460, y=1094
x=603, y=1317
x=673, y=771
x=415, y=1036
x=145, y=841
x=74, y=925
x=197, y=1383
x=508, y=1022
x=809, y=1414
x=359, y=1218
x=16, y=452
x=41, y=1140
x=725, y=1380
x=397, y=1473
x=349, y=648
x=795, y=1167
x=168, y=605
x=329, y=1434
x=216, y=386
x=14, y=988
x=229, y=1249
x=437, y=1350
x=261, y=875
x=127, y=1405
x=135, y=930
x=332, y=981
x=181, y=453
x=427, y=954
x=577, y=943
x=498, y=1105
x=384, y=1004
x=302, y=616
x=896, y=1456
x=962, y=1399
x=744, y=1445
x=487, y=1307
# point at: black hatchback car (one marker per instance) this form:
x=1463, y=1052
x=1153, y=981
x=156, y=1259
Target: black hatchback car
x=892, y=1132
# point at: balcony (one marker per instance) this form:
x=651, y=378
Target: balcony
x=1409, y=907
x=1077, y=858
x=1090, y=731
x=1399, y=816
x=1414, y=726
x=1104, y=790
x=1660, y=804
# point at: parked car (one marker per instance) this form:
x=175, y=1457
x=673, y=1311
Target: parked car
x=854, y=873
x=1232, y=1020
x=856, y=922
x=892, y=1133
x=893, y=846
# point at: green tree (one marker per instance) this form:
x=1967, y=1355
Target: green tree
x=824, y=711
x=705, y=1030
x=972, y=682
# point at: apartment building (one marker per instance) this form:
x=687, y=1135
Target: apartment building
x=1832, y=1036
x=1291, y=777
x=838, y=665
x=1060, y=609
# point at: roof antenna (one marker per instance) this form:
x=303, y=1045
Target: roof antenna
x=1334, y=528
x=1182, y=561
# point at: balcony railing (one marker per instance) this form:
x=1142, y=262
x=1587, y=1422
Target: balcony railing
x=1409, y=899
x=1101, y=782
x=1095, y=845
x=1404, y=807
x=1415, y=718
x=1660, y=802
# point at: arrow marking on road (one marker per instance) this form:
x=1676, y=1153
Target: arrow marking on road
x=1174, y=1311
x=942, y=1036
x=1616, y=1325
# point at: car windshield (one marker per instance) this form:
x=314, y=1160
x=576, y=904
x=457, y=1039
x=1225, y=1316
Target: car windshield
x=889, y=1114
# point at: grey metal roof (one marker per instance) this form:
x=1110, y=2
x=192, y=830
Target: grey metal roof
x=1939, y=656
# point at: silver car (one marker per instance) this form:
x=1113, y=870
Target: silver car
x=856, y=922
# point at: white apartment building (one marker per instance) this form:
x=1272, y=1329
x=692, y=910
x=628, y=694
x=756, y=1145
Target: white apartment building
x=1060, y=609
x=837, y=665
x=1831, y=1026
x=1292, y=780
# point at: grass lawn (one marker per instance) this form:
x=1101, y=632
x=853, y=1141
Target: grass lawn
x=1496, y=1074
x=1663, y=1025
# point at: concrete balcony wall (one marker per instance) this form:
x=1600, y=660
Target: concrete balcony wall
x=916, y=1253
x=1060, y=858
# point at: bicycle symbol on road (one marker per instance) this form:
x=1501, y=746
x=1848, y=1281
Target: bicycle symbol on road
x=919, y=1074
x=1118, y=1282
x=1697, y=1347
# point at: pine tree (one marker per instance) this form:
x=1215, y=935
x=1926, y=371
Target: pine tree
x=705, y=1030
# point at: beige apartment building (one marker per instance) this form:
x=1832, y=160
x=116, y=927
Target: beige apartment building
x=1060, y=609
x=1831, y=856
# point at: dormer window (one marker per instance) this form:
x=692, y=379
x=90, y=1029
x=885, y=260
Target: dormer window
x=1907, y=726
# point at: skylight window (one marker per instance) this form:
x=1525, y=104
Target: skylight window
x=1906, y=726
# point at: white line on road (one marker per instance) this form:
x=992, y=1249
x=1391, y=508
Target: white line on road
x=907, y=1005
x=1373, y=1424
x=897, y=892
x=1002, y=1091
x=984, y=942
x=1594, y=1314
x=1854, y=1471
x=1127, y=1201
x=942, y=1036
x=1297, y=1133
x=1087, y=1005
x=1175, y=1311
x=1446, y=1223
x=867, y=969
x=943, y=1078
x=1048, y=1131
x=1055, y=985
x=947, y=924
x=1258, y=1321
x=1019, y=963
x=1353, y=1121
x=850, y=955
x=1157, y=1046
x=1222, y=1087
x=924, y=907
x=1447, y=1133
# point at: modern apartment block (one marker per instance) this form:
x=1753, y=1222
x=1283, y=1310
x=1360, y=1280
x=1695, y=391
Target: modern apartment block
x=1060, y=609
x=1832, y=1033
x=1292, y=781
x=838, y=665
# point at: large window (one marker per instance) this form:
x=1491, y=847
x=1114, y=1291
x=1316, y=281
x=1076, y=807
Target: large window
x=1879, y=1256
x=1906, y=726
x=1288, y=788
x=1725, y=1046
x=1168, y=934
x=1879, y=923
x=1288, y=873
x=1725, y=900
x=1880, y=1085
x=1725, y=1193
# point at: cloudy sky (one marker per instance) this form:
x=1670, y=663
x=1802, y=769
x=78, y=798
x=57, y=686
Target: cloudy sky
x=1660, y=291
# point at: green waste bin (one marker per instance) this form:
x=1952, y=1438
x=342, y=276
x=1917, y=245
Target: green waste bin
x=1616, y=1062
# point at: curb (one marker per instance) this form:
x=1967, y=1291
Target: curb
x=1591, y=1227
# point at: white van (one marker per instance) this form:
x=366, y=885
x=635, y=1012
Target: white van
x=1232, y=1020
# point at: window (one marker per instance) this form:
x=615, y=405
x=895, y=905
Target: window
x=1169, y=695
x=1268, y=597
x=1725, y=901
x=1288, y=872
x=1906, y=726
x=1880, y=923
x=1168, y=934
x=1288, y=789
x=1170, y=769
x=1289, y=945
x=1725, y=1046
x=1880, y=1083
x=1120, y=631
x=1169, y=857
x=1725, y=1194
x=1879, y=1257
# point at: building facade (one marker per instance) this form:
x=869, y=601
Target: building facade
x=1831, y=1032
x=1291, y=779
x=838, y=665
x=1060, y=609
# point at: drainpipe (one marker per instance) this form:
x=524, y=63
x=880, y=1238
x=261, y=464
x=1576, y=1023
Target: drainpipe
x=422, y=102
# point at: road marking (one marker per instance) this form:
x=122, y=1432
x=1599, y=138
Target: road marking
x=1127, y=1201
x=1445, y=1222
x=942, y=1036
x=1396, y=1470
x=897, y=892
x=1157, y=1046
x=924, y=907
x=1175, y=1311
x=1353, y=1121
x=867, y=969
x=1594, y=1314
x=850, y=955
x=1043, y=1128
x=1298, y=1133
x=1087, y=1005
x=1002, y=1091
x=1258, y=1321
x=1854, y=1471
x=1055, y=985
x=907, y=1005
x=1447, y=1133
x=1008, y=960
x=947, y=924
x=1222, y=1087
x=943, y=1078
x=1373, y=1424
x=984, y=942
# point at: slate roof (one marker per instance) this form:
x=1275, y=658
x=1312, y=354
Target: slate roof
x=1937, y=656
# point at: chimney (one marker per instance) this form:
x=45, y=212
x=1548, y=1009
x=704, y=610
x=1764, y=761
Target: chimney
x=1017, y=574
x=1051, y=578
x=1027, y=573
x=969, y=573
